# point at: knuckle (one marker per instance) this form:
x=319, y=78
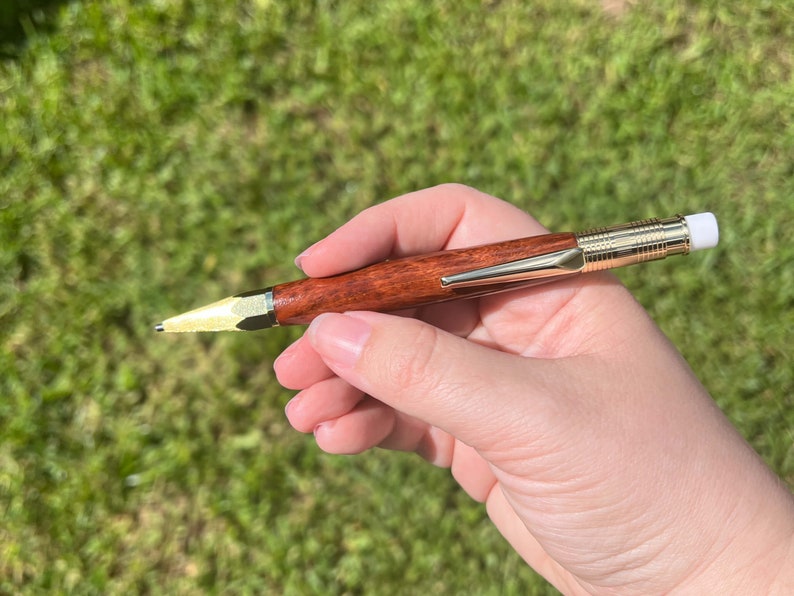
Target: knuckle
x=416, y=367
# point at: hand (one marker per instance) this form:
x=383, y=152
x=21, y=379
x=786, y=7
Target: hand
x=599, y=455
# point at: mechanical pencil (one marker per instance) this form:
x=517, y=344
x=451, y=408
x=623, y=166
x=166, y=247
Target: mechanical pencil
x=453, y=274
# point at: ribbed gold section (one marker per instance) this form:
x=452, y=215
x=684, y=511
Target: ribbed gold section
x=636, y=242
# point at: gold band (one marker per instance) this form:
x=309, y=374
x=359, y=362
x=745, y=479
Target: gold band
x=636, y=242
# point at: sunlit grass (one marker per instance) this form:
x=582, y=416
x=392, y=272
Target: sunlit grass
x=160, y=155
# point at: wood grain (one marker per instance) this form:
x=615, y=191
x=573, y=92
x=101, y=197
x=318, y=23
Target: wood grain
x=406, y=283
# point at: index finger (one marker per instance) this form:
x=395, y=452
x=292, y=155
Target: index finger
x=442, y=217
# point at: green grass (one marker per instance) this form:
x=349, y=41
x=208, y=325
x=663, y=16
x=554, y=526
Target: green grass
x=160, y=155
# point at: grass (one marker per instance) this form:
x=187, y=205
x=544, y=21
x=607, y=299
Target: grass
x=159, y=155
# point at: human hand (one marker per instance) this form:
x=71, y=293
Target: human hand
x=599, y=455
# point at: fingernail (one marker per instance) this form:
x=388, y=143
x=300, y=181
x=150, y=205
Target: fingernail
x=282, y=363
x=303, y=255
x=281, y=358
x=339, y=338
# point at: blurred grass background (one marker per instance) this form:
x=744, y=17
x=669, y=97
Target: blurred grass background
x=158, y=155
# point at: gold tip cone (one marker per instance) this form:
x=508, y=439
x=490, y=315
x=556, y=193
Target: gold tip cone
x=244, y=312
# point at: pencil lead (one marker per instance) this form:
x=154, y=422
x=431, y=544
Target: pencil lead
x=159, y=327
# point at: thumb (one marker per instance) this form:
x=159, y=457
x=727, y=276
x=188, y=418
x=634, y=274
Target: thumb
x=476, y=394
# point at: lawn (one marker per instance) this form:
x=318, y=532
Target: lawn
x=158, y=155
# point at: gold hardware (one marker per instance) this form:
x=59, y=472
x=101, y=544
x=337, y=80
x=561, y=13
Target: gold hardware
x=636, y=242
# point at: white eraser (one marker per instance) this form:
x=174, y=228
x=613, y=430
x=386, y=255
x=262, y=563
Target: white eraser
x=703, y=231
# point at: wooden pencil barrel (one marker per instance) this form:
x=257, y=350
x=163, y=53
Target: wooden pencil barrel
x=408, y=282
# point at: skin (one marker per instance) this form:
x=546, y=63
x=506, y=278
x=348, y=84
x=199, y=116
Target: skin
x=598, y=454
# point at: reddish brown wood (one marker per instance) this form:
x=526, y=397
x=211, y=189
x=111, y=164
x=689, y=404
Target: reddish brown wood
x=405, y=283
